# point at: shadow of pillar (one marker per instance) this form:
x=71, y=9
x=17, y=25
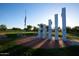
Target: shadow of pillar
x=67, y=43
x=53, y=43
x=56, y=43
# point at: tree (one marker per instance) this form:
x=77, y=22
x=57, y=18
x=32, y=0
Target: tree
x=59, y=29
x=35, y=28
x=75, y=29
x=68, y=29
x=3, y=27
x=29, y=27
x=25, y=29
x=16, y=29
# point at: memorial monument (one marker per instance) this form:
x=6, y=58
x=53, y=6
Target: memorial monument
x=56, y=27
x=63, y=14
x=49, y=29
x=42, y=31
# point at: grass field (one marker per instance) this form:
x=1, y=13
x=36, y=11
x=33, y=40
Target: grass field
x=71, y=36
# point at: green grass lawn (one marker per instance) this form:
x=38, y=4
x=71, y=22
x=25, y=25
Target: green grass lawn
x=15, y=32
x=70, y=36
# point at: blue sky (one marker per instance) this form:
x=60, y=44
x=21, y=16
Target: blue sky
x=12, y=15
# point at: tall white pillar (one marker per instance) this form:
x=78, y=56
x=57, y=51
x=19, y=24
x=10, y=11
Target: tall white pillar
x=44, y=31
x=64, y=24
x=39, y=33
x=56, y=27
x=49, y=29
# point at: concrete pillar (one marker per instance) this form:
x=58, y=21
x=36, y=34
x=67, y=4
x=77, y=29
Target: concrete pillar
x=49, y=29
x=44, y=31
x=39, y=32
x=64, y=24
x=56, y=27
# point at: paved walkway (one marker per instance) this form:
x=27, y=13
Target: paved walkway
x=45, y=43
